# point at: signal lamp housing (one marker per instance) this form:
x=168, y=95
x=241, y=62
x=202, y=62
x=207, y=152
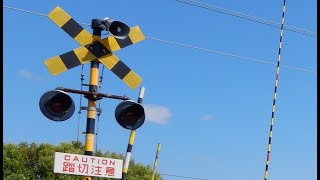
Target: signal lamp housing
x=130, y=115
x=56, y=105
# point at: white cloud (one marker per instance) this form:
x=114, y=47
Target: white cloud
x=157, y=114
x=207, y=117
x=29, y=75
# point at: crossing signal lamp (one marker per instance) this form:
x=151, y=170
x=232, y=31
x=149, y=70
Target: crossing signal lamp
x=130, y=115
x=56, y=105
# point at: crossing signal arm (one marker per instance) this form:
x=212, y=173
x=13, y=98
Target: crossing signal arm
x=56, y=104
x=92, y=47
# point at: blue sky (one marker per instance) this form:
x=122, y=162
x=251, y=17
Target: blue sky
x=210, y=112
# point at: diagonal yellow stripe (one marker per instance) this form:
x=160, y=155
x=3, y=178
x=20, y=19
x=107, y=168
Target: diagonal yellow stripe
x=84, y=38
x=132, y=80
x=109, y=60
x=136, y=34
x=84, y=55
x=59, y=16
x=55, y=65
x=110, y=43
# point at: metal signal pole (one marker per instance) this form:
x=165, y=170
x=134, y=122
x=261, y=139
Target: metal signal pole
x=92, y=111
x=131, y=141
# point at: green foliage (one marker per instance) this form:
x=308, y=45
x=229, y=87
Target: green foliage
x=141, y=172
x=35, y=162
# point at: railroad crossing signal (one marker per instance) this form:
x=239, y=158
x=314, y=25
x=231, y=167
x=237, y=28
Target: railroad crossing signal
x=56, y=105
x=130, y=115
x=92, y=48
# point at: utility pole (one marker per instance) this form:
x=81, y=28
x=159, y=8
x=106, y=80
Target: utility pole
x=155, y=162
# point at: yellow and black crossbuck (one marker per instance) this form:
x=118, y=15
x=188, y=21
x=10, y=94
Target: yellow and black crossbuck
x=92, y=47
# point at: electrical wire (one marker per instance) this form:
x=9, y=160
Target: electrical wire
x=186, y=177
x=232, y=55
x=22, y=10
x=194, y=47
x=247, y=17
x=36, y=13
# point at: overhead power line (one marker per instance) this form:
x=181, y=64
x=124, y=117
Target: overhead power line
x=185, y=177
x=36, y=13
x=191, y=47
x=22, y=10
x=232, y=55
x=247, y=17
